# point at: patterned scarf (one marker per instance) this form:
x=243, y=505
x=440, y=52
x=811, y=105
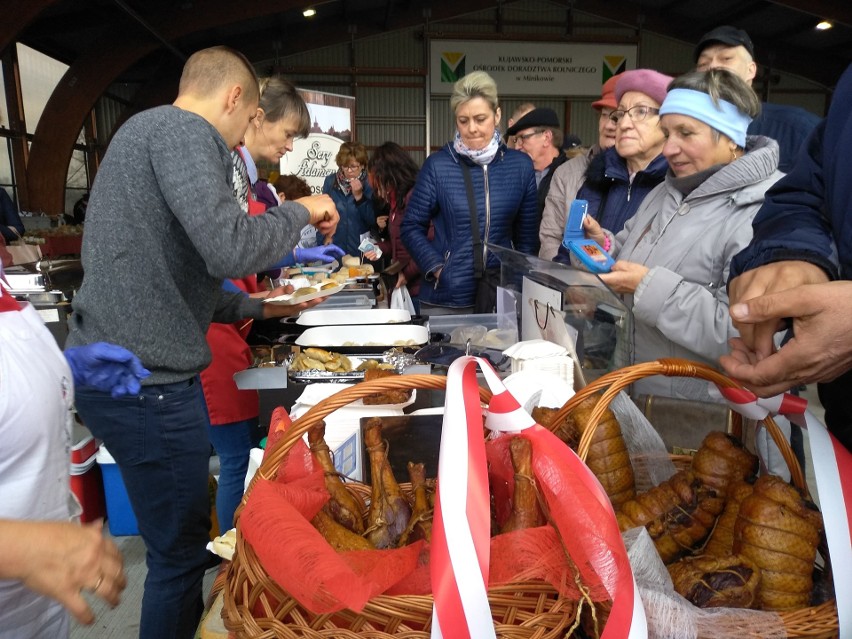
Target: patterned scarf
x=343, y=182
x=479, y=156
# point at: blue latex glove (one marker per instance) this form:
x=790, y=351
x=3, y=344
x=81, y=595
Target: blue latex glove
x=107, y=368
x=325, y=254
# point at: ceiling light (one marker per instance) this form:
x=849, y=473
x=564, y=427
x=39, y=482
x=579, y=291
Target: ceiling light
x=310, y=12
x=824, y=25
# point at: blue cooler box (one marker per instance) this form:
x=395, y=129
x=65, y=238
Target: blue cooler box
x=120, y=517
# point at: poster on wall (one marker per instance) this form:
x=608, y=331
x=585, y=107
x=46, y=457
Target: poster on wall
x=332, y=121
x=530, y=68
x=312, y=158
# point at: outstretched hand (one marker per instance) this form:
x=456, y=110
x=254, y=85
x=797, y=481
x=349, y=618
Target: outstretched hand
x=107, y=368
x=326, y=254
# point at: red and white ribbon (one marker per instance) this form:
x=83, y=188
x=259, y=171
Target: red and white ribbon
x=832, y=464
x=461, y=525
x=751, y=406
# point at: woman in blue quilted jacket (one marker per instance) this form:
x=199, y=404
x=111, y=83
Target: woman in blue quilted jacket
x=504, y=194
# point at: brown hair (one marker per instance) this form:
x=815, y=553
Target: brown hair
x=279, y=99
x=208, y=70
x=291, y=186
x=349, y=151
x=392, y=170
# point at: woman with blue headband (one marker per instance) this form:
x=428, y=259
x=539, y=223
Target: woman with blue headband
x=674, y=255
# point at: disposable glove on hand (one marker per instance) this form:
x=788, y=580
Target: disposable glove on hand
x=107, y=368
x=325, y=254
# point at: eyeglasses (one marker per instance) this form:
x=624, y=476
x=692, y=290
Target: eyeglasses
x=520, y=139
x=637, y=113
x=353, y=167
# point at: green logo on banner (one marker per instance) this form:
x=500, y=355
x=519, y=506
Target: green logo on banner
x=452, y=66
x=613, y=65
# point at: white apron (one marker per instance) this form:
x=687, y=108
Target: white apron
x=36, y=394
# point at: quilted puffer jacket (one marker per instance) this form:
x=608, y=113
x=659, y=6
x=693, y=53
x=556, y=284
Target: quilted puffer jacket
x=506, y=210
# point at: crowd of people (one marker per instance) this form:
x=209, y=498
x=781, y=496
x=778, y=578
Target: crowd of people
x=716, y=251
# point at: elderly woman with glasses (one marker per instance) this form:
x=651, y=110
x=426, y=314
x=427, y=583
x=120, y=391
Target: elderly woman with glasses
x=353, y=197
x=473, y=190
x=674, y=255
x=618, y=179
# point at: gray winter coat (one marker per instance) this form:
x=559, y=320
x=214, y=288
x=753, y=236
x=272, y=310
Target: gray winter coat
x=680, y=307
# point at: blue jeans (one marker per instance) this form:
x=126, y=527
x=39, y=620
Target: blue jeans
x=160, y=443
x=233, y=443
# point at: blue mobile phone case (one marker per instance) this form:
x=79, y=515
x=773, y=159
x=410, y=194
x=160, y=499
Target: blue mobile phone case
x=589, y=252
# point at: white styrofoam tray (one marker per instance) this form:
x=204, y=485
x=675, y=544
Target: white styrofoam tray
x=338, y=317
x=364, y=335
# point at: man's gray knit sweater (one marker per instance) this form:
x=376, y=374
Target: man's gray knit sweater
x=163, y=230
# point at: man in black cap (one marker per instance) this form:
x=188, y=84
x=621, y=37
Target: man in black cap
x=730, y=48
x=538, y=135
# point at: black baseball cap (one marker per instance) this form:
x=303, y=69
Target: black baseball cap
x=728, y=35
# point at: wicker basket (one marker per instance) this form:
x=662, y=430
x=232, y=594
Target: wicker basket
x=528, y=610
x=816, y=622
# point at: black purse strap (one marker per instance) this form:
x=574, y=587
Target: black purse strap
x=478, y=262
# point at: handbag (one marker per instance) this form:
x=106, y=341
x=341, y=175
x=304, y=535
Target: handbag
x=23, y=253
x=487, y=279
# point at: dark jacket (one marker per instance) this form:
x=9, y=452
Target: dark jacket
x=612, y=198
x=544, y=185
x=807, y=216
x=9, y=218
x=506, y=212
x=788, y=125
x=355, y=217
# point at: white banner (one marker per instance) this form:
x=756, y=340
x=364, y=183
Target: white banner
x=530, y=68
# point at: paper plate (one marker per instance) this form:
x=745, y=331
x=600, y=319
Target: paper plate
x=289, y=300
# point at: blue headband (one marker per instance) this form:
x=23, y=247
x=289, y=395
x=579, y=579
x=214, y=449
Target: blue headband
x=724, y=117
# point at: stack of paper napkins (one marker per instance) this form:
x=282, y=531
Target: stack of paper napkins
x=541, y=355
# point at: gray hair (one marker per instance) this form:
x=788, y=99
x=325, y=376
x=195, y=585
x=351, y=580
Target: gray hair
x=476, y=84
x=721, y=84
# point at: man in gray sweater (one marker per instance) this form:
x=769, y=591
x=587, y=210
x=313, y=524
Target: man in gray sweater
x=163, y=230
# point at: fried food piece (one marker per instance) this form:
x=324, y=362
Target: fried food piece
x=779, y=531
x=305, y=290
x=318, y=354
x=525, y=509
x=393, y=396
x=343, y=506
x=420, y=524
x=389, y=511
x=713, y=582
x=678, y=514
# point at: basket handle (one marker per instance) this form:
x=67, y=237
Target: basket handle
x=614, y=382
x=273, y=457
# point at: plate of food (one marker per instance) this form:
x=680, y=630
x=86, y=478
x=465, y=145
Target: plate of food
x=306, y=293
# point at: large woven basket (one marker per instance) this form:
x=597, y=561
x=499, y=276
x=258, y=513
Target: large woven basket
x=816, y=622
x=527, y=610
